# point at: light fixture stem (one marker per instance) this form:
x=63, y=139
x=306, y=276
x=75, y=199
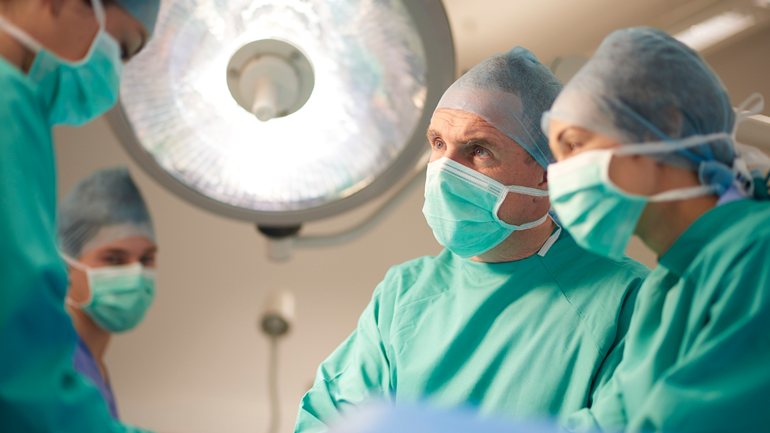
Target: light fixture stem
x=265, y=99
x=272, y=380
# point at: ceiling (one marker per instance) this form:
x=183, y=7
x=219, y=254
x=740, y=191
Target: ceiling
x=551, y=28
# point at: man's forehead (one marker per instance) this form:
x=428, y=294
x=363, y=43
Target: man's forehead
x=459, y=123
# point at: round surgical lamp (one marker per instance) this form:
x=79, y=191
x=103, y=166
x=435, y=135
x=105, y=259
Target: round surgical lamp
x=281, y=112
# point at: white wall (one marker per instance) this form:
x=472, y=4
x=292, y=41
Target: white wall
x=198, y=364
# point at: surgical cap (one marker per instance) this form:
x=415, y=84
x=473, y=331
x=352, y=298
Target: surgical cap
x=642, y=85
x=145, y=11
x=510, y=92
x=102, y=208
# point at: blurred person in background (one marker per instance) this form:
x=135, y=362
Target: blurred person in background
x=107, y=238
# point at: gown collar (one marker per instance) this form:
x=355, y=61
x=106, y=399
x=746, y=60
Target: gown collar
x=700, y=233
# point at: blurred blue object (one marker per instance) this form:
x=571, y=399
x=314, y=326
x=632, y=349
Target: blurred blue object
x=384, y=418
x=510, y=91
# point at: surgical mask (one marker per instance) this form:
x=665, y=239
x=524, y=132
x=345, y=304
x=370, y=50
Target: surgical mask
x=461, y=207
x=600, y=216
x=119, y=295
x=75, y=92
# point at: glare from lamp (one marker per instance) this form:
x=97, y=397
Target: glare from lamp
x=715, y=29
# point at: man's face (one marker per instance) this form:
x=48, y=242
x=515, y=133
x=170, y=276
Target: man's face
x=469, y=140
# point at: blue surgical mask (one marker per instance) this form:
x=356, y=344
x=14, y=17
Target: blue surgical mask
x=119, y=295
x=75, y=92
x=461, y=207
x=600, y=216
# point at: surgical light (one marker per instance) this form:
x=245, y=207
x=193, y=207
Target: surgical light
x=281, y=112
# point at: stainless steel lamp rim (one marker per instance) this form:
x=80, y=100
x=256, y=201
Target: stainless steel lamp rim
x=432, y=25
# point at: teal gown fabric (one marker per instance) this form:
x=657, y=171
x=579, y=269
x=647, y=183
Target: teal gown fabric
x=39, y=389
x=529, y=338
x=697, y=354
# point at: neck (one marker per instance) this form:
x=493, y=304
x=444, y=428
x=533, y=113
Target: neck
x=96, y=338
x=519, y=245
x=661, y=224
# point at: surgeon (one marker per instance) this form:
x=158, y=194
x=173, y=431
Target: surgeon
x=60, y=63
x=645, y=139
x=512, y=318
x=106, y=237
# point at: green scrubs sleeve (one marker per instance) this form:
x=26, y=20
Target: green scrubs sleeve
x=39, y=388
x=357, y=371
x=583, y=420
x=721, y=379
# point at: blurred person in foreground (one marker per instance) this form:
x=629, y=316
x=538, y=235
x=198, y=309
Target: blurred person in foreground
x=61, y=62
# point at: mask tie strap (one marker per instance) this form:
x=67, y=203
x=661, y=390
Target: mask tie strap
x=77, y=265
x=684, y=193
x=20, y=35
x=551, y=240
x=528, y=191
x=747, y=109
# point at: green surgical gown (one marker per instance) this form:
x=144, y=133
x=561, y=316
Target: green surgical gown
x=697, y=353
x=529, y=338
x=39, y=389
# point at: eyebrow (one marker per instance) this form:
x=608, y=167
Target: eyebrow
x=118, y=251
x=480, y=142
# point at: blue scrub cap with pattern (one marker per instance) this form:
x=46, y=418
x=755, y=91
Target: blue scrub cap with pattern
x=145, y=11
x=102, y=208
x=642, y=85
x=510, y=91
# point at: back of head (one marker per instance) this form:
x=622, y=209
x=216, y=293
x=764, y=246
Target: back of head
x=510, y=92
x=642, y=85
x=102, y=208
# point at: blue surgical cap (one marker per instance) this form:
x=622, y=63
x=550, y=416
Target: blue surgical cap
x=102, y=208
x=642, y=85
x=510, y=92
x=145, y=11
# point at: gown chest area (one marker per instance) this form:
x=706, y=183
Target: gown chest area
x=502, y=340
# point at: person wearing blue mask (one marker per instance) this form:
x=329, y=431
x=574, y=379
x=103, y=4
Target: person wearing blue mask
x=512, y=318
x=106, y=237
x=60, y=63
x=645, y=139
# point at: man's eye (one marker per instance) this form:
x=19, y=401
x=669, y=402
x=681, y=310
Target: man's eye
x=481, y=152
x=438, y=144
x=113, y=260
x=147, y=260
